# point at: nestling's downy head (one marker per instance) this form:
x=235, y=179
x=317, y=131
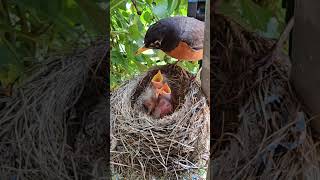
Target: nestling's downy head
x=163, y=108
x=149, y=99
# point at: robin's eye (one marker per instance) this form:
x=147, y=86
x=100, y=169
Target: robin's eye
x=157, y=43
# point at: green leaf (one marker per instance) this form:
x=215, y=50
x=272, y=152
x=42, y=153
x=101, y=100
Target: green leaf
x=160, y=10
x=47, y=8
x=233, y=9
x=134, y=31
x=7, y=28
x=141, y=66
x=96, y=14
x=125, y=65
x=172, y=5
x=10, y=73
x=256, y=16
x=247, y=13
x=6, y=56
x=160, y=54
x=121, y=4
x=149, y=1
x=147, y=17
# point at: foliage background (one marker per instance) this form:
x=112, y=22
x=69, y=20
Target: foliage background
x=30, y=29
x=131, y=18
x=129, y=23
x=265, y=17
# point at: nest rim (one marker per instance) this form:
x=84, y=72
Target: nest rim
x=159, y=134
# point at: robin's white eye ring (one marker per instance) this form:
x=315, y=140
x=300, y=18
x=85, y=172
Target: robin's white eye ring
x=157, y=42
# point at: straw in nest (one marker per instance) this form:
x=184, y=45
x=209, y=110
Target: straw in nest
x=37, y=123
x=159, y=147
x=261, y=130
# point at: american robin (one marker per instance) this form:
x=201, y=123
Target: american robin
x=179, y=37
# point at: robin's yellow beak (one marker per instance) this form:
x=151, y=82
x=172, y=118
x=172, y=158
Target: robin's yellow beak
x=157, y=80
x=140, y=50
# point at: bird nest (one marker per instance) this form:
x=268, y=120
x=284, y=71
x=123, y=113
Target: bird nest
x=169, y=146
x=260, y=128
x=55, y=124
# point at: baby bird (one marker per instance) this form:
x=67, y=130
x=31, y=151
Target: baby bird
x=150, y=96
x=164, y=105
x=149, y=99
x=157, y=80
x=165, y=91
x=157, y=97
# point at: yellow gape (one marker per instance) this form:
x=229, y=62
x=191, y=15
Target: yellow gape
x=157, y=80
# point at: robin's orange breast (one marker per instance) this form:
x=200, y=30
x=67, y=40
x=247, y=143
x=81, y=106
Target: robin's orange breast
x=184, y=52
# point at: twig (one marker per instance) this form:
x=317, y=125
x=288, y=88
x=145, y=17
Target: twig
x=285, y=35
x=119, y=164
x=136, y=7
x=158, y=149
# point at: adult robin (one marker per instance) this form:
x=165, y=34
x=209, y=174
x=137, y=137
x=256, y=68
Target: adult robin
x=179, y=37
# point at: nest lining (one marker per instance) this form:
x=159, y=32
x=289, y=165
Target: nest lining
x=159, y=147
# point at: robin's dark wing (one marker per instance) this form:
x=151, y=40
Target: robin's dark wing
x=190, y=30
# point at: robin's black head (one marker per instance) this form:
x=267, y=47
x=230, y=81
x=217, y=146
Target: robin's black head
x=162, y=35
